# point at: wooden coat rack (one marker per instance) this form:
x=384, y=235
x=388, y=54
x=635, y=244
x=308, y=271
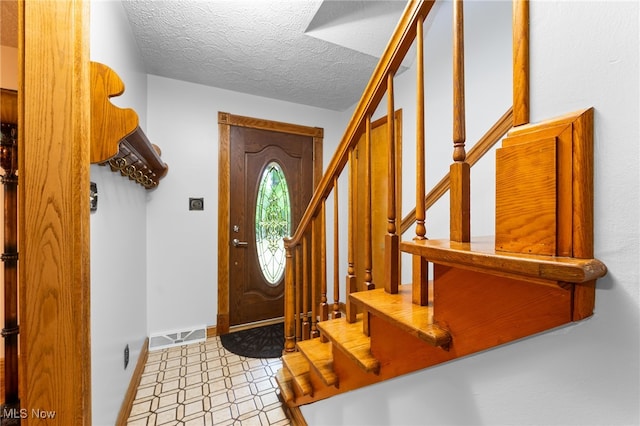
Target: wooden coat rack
x=116, y=137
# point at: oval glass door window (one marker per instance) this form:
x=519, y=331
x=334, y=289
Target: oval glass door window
x=273, y=222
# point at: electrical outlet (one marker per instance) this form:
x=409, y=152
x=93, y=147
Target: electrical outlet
x=126, y=356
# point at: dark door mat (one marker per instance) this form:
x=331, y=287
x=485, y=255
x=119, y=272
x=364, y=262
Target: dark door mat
x=260, y=342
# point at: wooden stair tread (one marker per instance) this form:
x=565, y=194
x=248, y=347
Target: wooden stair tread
x=284, y=380
x=352, y=341
x=400, y=311
x=480, y=253
x=320, y=357
x=298, y=366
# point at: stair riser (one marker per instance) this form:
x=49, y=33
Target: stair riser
x=400, y=352
x=482, y=311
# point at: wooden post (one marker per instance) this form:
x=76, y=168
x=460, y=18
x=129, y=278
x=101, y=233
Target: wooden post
x=460, y=192
x=53, y=197
x=9, y=162
x=324, y=306
x=298, y=292
x=392, y=241
x=351, y=283
x=317, y=262
x=336, y=253
x=420, y=279
x=520, y=62
x=289, y=298
x=368, y=265
x=306, y=327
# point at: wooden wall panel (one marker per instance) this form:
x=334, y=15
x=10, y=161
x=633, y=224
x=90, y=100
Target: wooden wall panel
x=526, y=207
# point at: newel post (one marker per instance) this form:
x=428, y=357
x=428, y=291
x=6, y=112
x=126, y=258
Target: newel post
x=289, y=299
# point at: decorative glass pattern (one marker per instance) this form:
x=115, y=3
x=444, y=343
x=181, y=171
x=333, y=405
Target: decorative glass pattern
x=273, y=222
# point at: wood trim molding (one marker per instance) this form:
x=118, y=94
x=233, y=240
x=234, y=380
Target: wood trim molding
x=276, y=126
x=212, y=331
x=54, y=115
x=295, y=415
x=225, y=121
x=130, y=396
x=224, y=179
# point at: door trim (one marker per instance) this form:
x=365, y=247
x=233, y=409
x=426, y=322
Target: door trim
x=225, y=121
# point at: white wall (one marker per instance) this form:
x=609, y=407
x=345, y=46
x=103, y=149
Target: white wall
x=182, y=244
x=118, y=232
x=582, y=54
x=488, y=96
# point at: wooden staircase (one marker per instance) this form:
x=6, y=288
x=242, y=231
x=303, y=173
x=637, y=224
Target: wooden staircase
x=537, y=273
x=474, y=307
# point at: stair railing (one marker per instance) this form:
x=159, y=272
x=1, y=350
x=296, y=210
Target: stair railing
x=298, y=323
x=305, y=273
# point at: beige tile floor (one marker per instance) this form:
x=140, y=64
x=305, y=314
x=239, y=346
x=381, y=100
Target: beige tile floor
x=204, y=384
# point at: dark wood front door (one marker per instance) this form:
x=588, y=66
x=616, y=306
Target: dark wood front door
x=271, y=183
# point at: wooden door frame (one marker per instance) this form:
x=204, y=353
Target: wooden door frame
x=225, y=121
x=53, y=233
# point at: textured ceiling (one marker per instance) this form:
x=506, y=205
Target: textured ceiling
x=306, y=51
x=310, y=52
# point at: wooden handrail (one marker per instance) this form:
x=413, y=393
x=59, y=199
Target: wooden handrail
x=390, y=61
x=486, y=142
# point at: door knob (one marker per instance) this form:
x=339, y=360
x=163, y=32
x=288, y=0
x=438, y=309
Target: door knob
x=237, y=243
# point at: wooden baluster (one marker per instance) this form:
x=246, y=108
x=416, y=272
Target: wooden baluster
x=392, y=243
x=351, y=284
x=460, y=198
x=368, y=249
x=298, y=289
x=319, y=227
x=420, y=281
x=306, y=327
x=289, y=297
x=324, y=306
x=316, y=262
x=520, y=62
x=368, y=256
x=336, y=253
